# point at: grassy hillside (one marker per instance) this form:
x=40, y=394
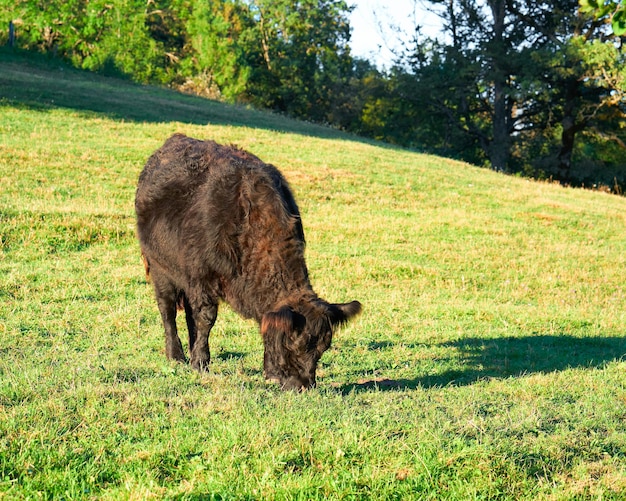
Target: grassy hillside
x=488, y=362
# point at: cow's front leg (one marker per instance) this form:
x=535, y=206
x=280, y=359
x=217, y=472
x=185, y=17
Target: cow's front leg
x=204, y=316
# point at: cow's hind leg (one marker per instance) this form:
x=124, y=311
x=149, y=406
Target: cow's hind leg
x=191, y=324
x=204, y=312
x=166, y=296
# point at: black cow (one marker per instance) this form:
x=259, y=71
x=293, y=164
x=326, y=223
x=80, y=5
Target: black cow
x=216, y=223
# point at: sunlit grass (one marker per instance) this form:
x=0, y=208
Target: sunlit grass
x=487, y=364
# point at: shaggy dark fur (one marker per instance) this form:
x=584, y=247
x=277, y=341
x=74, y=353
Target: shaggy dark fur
x=216, y=223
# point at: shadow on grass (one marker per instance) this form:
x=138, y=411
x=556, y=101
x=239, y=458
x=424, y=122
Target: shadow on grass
x=42, y=83
x=508, y=357
x=230, y=355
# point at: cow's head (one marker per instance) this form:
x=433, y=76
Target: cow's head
x=295, y=338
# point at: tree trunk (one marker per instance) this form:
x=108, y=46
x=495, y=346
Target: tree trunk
x=564, y=160
x=11, y=34
x=568, y=135
x=265, y=43
x=499, y=149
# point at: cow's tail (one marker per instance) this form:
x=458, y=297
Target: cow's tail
x=146, y=264
x=182, y=303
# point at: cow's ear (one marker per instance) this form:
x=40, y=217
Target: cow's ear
x=281, y=321
x=341, y=313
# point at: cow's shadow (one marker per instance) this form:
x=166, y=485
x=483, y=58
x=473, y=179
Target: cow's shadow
x=505, y=357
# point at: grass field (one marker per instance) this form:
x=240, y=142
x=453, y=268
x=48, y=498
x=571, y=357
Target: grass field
x=488, y=362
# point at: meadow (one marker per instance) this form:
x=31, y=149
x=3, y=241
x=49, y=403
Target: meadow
x=488, y=363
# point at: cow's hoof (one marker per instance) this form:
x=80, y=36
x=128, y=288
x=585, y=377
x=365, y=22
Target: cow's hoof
x=175, y=352
x=201, y=365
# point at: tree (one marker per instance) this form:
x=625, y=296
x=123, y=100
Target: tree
x=473, y=77
x=580, y=83
x=214, y=63
x=298, y=52
x=512, y=76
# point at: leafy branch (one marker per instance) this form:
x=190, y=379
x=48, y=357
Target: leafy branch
x=611, y=10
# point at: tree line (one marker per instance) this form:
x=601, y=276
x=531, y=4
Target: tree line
x=536, y=88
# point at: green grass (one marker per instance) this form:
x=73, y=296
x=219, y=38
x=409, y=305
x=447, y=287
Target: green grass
x=488, y=362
